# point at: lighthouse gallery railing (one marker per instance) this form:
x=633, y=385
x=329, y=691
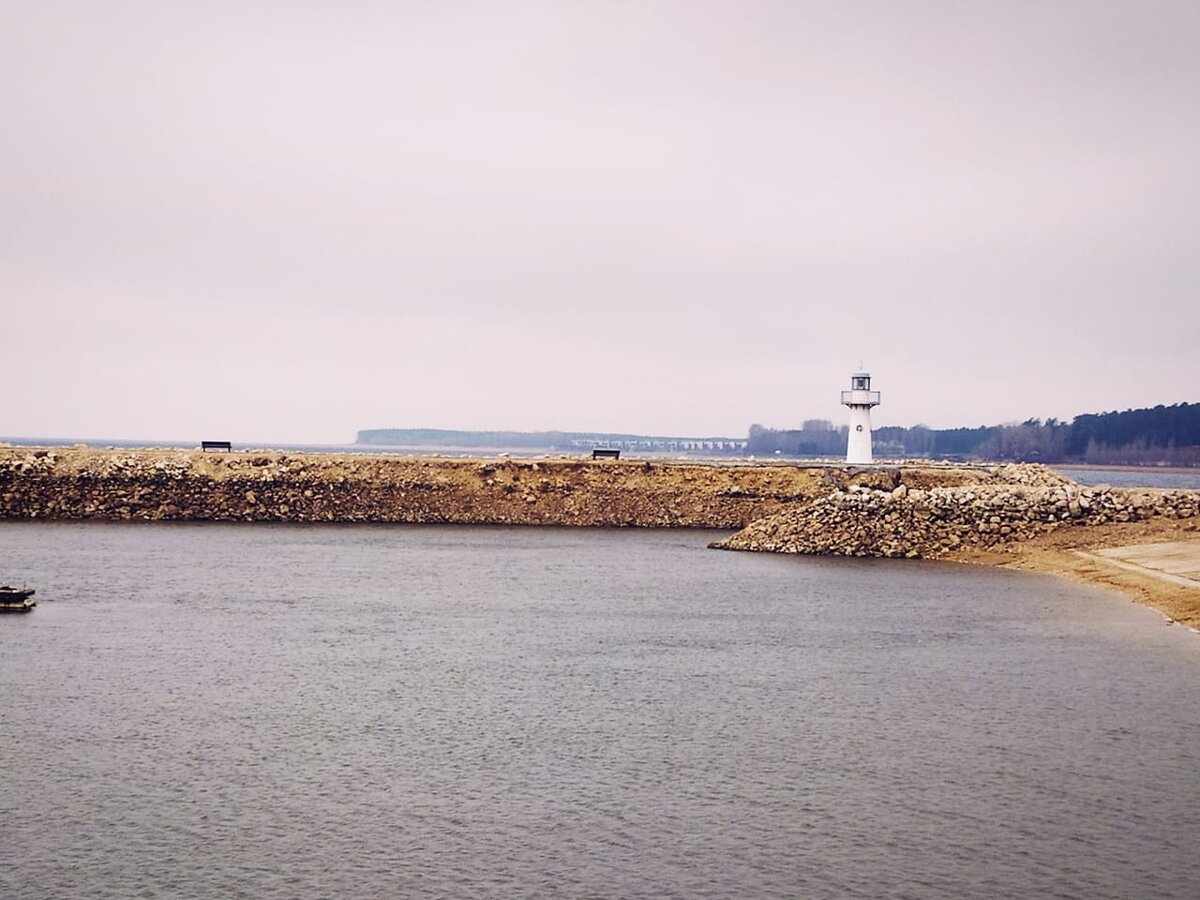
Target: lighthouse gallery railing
x=861, y=398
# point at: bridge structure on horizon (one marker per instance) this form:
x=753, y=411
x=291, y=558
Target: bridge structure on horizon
x=661, y=445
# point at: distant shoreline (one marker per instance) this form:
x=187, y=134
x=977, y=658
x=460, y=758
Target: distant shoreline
x=1150, y=467
x=474, y=452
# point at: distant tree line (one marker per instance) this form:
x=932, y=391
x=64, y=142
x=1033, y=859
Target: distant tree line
x=1167, y=435
x=818, y=437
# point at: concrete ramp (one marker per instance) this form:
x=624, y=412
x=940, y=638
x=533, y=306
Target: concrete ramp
x=1177, y=562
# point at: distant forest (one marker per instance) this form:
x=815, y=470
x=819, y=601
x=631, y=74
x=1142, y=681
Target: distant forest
x=1164, y=435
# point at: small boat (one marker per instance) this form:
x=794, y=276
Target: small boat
x=16, y=599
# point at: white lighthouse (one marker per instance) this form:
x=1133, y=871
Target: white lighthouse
x=860, y=398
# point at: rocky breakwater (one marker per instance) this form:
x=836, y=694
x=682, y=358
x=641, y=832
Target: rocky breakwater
x=1018, y=503
x=268, y=486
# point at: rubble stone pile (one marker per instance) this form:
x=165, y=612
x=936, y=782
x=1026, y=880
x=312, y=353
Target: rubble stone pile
x=916, y=523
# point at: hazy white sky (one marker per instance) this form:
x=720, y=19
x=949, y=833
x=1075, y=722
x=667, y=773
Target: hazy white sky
x=290, y=220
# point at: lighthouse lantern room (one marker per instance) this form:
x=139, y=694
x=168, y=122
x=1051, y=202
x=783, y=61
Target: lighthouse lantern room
x=860, y=398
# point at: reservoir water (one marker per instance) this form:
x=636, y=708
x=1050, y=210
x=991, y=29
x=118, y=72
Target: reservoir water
x=203, y=710
x=1177, y=480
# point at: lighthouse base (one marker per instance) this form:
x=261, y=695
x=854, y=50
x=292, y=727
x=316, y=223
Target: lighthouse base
x=858, y=446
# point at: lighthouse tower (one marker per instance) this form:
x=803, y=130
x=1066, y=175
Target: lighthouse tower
x=860, y=398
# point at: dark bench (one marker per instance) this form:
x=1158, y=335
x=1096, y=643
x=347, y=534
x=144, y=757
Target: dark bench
x=602, y=453
x=205, y=446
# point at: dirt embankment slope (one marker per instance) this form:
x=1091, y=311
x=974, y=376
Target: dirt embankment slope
x=157, y=484
x=291, y=487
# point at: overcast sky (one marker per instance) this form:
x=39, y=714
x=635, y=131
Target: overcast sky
x=291, y=220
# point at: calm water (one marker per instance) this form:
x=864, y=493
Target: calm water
x=274, y=711
x=1134, y=478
